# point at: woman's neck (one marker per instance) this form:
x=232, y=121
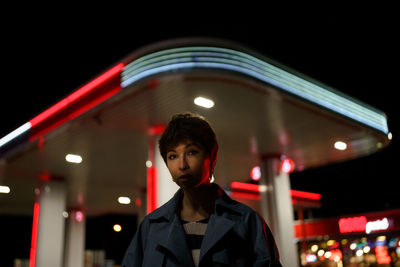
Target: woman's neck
x=198, y=204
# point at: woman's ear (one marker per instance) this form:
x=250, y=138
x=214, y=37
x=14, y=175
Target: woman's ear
x=213, y=160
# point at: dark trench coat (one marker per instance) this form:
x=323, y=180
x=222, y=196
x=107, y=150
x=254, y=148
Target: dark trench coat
x=236, y=236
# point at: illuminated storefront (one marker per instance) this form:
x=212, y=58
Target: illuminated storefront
x=348, y=241
x=371, y=239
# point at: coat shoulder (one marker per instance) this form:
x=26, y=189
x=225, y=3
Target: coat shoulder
x=238, y=207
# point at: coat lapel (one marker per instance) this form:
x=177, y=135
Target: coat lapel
x=217, y=228
x=174, y=241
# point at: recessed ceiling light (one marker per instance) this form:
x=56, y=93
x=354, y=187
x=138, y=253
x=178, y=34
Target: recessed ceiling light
x=73, y=158
x=340, y=145
x=204, y=102
x=124, y=200
x=4, y=189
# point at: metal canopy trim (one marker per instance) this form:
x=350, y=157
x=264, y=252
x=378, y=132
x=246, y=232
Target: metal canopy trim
x=171, y=60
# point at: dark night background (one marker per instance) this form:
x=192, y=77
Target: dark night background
x=47, y=55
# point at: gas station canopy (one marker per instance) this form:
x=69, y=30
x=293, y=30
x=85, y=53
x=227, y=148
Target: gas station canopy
x=260, y=109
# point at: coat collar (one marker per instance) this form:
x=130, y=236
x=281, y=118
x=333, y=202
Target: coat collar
x=169, y=209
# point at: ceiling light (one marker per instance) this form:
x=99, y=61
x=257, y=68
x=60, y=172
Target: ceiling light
x=204, y=102
x=340, y=145
x=79, y=216
x=4, y=189
x=117, y=228
x=124, y=200
x=255, y=173
x=287, y=165
x=149, y=164
x=73, y=158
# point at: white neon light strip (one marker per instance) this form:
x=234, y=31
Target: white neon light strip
x=274, y=74
x=15, y=133
x=227, y=59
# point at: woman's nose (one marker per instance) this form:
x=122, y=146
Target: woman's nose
x=183, y=163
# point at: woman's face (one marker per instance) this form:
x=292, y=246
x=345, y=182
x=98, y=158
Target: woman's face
x=188, y=164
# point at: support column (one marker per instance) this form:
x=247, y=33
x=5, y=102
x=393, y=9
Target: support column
x=50, y=230
x=166, y=187
x=160, y=187
x=277, y=209
x=75, y=239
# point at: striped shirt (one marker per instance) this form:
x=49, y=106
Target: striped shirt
x=195, y=232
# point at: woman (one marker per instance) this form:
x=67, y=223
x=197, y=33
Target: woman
x=200, y=225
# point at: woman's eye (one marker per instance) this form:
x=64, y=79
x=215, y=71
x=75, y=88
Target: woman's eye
x=192, y=152
x=171, y=157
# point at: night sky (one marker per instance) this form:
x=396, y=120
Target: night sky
x=48, y=55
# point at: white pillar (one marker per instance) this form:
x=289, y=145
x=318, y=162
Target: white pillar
x=166, y=187
x=50, y=239
x=277, y=210
x=75, y=239
x=160, y=187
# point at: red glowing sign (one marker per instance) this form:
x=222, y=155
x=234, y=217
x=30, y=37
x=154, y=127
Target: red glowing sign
x=360, y=224
x=287, y=165
x=353, y=224
x=79, y=216
x=255, y=173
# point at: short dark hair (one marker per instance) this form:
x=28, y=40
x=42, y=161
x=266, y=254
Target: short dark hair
x=193, y=127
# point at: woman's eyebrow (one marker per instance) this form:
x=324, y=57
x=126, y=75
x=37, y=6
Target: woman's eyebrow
x=192, y=144
x=187, y=146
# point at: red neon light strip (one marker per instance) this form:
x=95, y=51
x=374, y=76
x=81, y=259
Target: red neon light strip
x=152, y=191
x=242, y=195
x=77, y=94
x=255, y=189
x=306, y=195
x=35, y=225
x=74, y=114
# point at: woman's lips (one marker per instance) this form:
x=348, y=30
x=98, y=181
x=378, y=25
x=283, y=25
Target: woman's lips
x=185, y=177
